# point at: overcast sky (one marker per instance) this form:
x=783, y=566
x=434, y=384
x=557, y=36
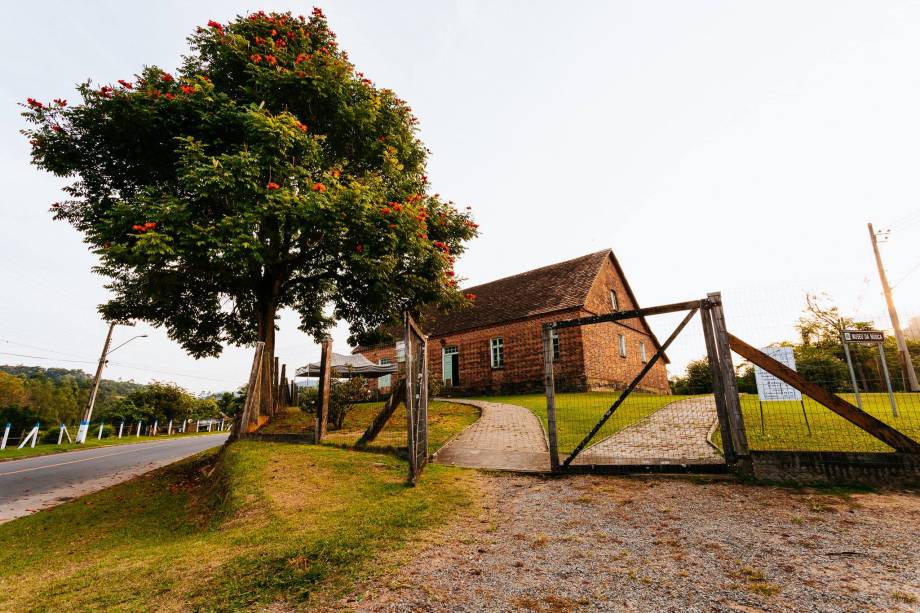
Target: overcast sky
x=731, y=146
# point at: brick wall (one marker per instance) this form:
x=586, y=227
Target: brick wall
x=523, y=364
x=589, y=355
x=604, y=366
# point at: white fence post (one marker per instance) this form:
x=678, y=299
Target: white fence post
x=139, y=428
x=121, y=427
x=100, y=431
x=32, y=435
x=153, y=431
x=169, y=428
x=6, y=435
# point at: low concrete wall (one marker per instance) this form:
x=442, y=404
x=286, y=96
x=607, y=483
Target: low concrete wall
x=836, y=467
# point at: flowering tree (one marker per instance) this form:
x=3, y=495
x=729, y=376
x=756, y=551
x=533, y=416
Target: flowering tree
x=265, y=174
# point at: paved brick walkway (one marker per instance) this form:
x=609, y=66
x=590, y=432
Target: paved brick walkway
x=506, y=437
x=677, y=433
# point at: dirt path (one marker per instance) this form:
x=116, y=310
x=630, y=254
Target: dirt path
x=505, y=437
x=663, y=544
x=677, y=432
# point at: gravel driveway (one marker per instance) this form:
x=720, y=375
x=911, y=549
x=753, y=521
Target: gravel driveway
x=664, y=544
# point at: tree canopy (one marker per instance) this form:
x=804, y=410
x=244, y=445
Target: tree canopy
x=265, y=173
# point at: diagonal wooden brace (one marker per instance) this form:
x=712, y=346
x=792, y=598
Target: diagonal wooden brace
x=838, y=405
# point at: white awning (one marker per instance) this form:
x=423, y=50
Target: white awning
x=347, y=366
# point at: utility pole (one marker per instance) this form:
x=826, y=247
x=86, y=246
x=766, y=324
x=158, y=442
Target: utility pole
x=907, y=366
x=88, y=412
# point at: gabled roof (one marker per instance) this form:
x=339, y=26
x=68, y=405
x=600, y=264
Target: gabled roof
x=552, y=288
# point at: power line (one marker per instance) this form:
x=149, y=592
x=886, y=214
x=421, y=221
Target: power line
x=120, y=364
x=41, y=357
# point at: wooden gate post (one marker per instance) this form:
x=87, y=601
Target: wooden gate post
x=322, y=396
x=550, y=385
x=728, y=448
x=283, y=400
x=730, y=385
x=250, y=410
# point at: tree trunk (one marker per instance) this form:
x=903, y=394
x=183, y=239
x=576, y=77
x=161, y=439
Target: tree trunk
x=266, y=333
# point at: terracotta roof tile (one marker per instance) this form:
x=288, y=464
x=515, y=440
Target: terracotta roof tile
x=552, y=288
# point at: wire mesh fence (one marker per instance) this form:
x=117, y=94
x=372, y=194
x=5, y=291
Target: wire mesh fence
x=809, y=327
x=655, y=423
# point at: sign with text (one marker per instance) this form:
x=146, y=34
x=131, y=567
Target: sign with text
x=863, y=336
x=771, y=389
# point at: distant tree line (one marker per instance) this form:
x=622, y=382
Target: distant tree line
x=819, y=356
x=52, y=396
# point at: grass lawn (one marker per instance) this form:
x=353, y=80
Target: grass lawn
x=274, y=522
x=444, y=420
x=784, y=426
x=11, y=453
x=576, y=413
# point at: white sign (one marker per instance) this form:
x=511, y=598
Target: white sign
x=769, y=388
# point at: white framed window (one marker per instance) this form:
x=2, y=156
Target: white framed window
x=622, y=346
x=497, y=346
x=613, y=300
x=386, y=380
x=554, y=338
x=642, y=353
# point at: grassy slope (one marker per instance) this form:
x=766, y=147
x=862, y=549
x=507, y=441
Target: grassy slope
x=11, y=453
x=275, y=522
x=576, y=413
x=444, y=419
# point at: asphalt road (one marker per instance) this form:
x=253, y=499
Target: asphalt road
x=32, y=484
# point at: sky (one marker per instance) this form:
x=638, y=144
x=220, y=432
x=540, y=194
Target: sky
x=714, y=146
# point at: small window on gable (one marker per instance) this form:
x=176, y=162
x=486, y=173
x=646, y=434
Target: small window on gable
x=497, y=346
x=642, y=353
x=622, y=346
x=554, y=337
x=613, y=300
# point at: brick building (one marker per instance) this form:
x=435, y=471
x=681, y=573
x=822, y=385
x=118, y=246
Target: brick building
x=495, y=345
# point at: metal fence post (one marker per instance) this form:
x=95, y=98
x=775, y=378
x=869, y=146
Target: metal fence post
x=729, y=384
x=550, y=385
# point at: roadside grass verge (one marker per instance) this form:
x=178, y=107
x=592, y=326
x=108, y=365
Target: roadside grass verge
x=274, y=522
x=576, y=413
x=40, y=449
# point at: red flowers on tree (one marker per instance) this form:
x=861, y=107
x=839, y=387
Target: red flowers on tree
x=187, y=89
x=272, y=186
x=144, y=227
x=216, y=25
x=167, y=78
x=125, y=84
x=105, y=91
x=255, y=58
x=301, y=126
x=319, y=187
x=60, y=102
x=470, y=296
x=271, y=59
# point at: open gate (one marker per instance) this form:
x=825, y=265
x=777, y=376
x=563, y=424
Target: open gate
x=635, y=429
x=638, y=429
